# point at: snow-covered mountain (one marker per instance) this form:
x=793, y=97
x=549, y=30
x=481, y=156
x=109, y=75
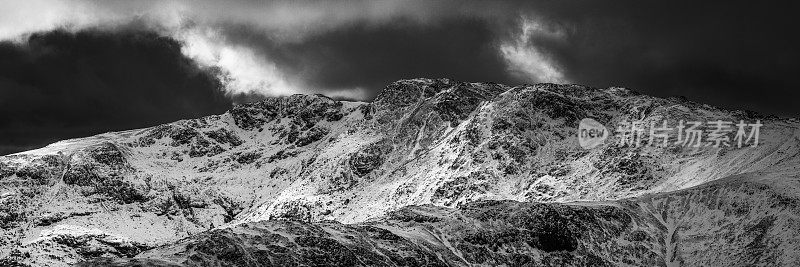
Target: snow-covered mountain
x=433, y=172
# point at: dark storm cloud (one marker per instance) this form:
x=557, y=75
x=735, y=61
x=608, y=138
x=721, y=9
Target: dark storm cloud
x=58, y=85
x=736, y=54
x=370, y=57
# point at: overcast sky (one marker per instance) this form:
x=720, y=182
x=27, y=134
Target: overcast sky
x=72, y=68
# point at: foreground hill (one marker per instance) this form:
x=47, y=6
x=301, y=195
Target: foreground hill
x=433, y=171
x=737, y=221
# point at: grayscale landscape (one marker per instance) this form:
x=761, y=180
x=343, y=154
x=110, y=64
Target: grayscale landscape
x=249, y=133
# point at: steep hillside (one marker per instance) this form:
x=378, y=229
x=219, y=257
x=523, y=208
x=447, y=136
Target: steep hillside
x=437, y=142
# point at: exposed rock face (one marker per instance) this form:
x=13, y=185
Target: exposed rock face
x=433, y=172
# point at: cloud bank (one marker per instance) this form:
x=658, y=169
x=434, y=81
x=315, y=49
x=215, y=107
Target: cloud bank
x=735, y=54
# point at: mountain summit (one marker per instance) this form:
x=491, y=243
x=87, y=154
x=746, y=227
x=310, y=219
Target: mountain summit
x=433, y=172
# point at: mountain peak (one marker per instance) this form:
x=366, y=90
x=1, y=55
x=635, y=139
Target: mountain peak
x=405, y=92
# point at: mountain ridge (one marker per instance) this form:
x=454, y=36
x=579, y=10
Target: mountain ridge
x=312, y=159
